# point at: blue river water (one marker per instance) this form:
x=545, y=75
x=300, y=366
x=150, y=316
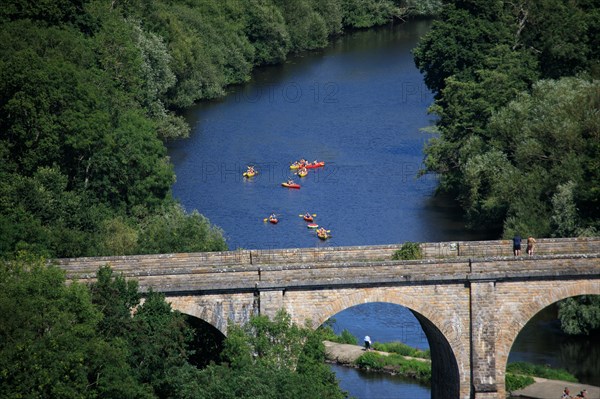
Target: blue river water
x=360, y=105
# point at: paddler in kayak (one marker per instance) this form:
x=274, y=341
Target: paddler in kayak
x=250, y=170
x=290, y=182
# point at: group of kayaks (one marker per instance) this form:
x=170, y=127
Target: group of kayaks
x=322, y=233
x=302, y=166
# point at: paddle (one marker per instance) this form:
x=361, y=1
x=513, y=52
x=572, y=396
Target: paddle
x=314, y=214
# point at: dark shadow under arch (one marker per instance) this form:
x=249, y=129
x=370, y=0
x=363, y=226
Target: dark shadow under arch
x=207, y=343
x=445, y=378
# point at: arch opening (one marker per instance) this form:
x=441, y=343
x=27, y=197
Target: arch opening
x=542, y=342
x=390, y=322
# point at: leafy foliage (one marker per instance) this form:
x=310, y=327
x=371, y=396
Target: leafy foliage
x=516, y=381
x=537, y=370
x=408, y=251
x=517, y=151
x=580, y=315
x=270, y=359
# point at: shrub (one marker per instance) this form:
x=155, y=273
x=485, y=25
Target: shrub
x=417, y=369
x=408, y=251
x=514, y=382
x=401, y=349
x=540, y=371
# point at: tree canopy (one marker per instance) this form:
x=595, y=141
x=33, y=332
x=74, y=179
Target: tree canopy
x=516, y=92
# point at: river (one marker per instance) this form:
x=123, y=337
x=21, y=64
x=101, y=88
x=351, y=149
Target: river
x=359, y=105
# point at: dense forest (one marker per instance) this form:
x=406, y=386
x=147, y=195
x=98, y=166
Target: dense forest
x=90, y=91
x=517, y=95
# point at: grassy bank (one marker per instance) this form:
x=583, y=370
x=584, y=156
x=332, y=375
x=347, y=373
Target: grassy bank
x=520, y=374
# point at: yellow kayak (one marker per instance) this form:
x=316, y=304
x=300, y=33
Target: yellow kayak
x=302, y=173
x=249, y=174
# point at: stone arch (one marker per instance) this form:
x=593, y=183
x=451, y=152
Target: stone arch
x=191, y=308
x=217, y=310
x=514, y=314
x=444, y=322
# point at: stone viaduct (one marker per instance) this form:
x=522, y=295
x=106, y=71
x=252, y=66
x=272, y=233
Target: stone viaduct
x=471, y=298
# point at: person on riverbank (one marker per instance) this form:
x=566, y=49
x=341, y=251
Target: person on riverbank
x=566, y=394
x=530, y=245
x=367, y=343
x=517, y=245
x=582, y=394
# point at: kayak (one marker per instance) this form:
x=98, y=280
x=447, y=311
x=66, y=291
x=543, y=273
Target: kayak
x=307, y=218
x=323, y=236
x=314, y=165
x=302, y=173
x=249, y=174
x=273, y=220
x=295, y=185
x=295, y=165
x=312, y=225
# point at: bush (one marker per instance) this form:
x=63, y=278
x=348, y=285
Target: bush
x=514, y=382
x=417, y=369
x=408, y=251
x=536, y=370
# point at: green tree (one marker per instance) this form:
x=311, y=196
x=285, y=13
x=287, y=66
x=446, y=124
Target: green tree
x=175, y=231
x=49, y=344
x=580, y=315
x=270, y=359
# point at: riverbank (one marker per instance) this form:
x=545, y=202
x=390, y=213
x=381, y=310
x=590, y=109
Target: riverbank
x=346, y=355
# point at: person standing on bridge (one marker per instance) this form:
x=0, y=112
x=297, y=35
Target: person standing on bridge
x=517, y=245
x=530, y=245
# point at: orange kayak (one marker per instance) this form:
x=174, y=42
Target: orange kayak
x=314, y=165
x=295, y=185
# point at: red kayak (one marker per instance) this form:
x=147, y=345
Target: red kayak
x=273, y=220
x=314, y=165
x=312, y=225
x=294, y=185
x=308, y=218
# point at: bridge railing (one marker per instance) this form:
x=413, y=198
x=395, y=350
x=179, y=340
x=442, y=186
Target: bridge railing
x=247, y=260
